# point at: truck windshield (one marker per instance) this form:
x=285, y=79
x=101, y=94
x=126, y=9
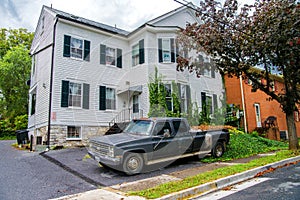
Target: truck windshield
x=141, y=127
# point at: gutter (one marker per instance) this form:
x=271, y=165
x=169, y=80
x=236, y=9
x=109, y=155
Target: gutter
x=51, y=85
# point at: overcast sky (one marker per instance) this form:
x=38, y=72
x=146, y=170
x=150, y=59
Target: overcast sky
x=125, y=14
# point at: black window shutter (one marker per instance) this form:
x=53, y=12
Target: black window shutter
x=179, y=97
x=102, y=98
x=188, y=96
x=141, y=52
x=65, y=94
x=102, y=54
x=203, y=102
x=67, y=46
x=86, y=54
x=213, y=72
x=160, y=57
x=86, y=96
x=172, y=50
x=119, y=58
x=215, y=99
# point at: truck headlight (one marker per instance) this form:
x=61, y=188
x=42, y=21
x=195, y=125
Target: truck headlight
x=111, y=152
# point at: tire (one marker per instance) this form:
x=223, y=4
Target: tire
x=218, y=150
x=133, y=163
x=104, y=166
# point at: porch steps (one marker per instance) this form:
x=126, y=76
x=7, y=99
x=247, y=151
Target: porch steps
x=117, y=128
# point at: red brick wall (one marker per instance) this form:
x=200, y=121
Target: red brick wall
x=267, y=108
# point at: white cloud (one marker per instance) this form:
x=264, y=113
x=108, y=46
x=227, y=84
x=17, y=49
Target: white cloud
x=125, y=14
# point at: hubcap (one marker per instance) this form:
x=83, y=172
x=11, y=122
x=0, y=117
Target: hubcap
x=219, y=151
x=133, y=163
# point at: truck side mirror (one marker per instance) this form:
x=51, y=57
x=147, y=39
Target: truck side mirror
x=167, y=133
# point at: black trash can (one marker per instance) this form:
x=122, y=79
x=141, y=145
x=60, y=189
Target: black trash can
x=22, y=136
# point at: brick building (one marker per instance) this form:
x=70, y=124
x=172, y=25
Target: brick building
x=256, y=106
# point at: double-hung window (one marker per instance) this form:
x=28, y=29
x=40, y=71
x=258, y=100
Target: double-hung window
x=169, y=99
x=76, y=48
x=107, y=98
x=110, y=56
x=183, y=98
x=74, y=132
x=110, y=98
x=166, y=50
x=135, y=55
x=75, y=95
x=138, y=53
x=135, y=103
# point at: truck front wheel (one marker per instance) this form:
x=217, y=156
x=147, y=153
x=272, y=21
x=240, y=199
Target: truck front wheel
x=218, y=150
x=133, y=163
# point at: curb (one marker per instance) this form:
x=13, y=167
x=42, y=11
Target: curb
x=225, y=182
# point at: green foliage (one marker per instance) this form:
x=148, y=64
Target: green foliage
x=13, y=38
x=14, y=72
x=6, y=127
x=9, y=126
x=243, y=145
x=15, y=64
x=21, y=122
x=157, y=98
x=264, y=34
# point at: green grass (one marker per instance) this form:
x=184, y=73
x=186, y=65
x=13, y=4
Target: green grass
x=9, y=137
x=241, y=146
x=246, y=145
x=209, y=176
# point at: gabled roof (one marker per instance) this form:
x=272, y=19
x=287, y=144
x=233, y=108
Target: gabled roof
x=111, y=29
x=170, y=13
x=81, y=20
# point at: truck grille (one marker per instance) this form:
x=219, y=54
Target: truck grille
x=100, y=148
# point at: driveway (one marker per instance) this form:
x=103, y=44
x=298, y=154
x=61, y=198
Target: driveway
x=27, y=175
x=75, y=161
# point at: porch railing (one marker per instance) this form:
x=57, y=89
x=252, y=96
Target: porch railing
x=126, y=115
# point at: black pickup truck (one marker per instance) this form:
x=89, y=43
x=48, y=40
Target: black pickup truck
x=146, y=142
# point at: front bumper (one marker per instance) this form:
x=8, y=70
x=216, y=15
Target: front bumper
x=109, y=161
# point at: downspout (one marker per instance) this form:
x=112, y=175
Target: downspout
x=51, y=84
x=243, y=103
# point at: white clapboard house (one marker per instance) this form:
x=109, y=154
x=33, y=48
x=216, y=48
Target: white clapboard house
x=87, y=75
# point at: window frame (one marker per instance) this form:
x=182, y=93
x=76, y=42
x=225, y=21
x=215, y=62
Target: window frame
x=81, y=49
x=113, y=63
x=169, y=97
x=75, y=128
x=166, y=50
x=70, y=97
x=110, y=102
x=135, y=58
x=135, y=103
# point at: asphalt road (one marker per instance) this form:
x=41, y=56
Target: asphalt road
x=31, y=175
x=281, y=184
x=26, y=175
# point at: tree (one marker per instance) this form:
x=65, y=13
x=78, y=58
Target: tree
x=14, y=37
x=14, y=72
x=264, y=35
x=15, y=64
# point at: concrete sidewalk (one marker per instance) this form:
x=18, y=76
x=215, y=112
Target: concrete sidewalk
x=115, y=192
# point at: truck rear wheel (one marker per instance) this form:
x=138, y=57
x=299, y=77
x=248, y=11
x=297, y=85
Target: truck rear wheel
x=218, y=150
x=133, y=163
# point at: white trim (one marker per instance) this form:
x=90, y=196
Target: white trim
x=80, y=134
